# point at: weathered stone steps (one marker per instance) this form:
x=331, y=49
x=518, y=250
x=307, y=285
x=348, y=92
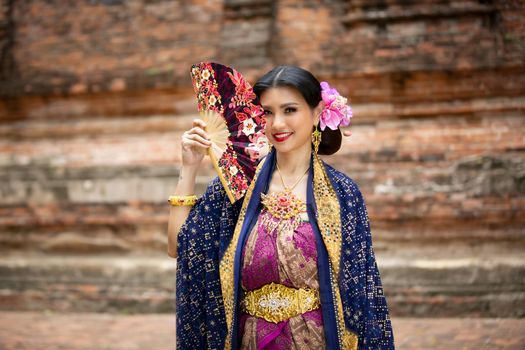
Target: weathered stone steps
x=455, y=287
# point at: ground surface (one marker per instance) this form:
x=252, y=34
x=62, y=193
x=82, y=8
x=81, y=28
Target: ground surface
x=83, y=331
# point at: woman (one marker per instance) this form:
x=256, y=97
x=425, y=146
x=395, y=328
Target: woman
x=291, y=266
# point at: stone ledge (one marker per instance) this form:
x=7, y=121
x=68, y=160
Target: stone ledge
x=88, y=283
x=476, y=287
x=385, y=14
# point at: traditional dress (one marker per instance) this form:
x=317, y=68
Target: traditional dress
x=225, y=251
x=284, y=252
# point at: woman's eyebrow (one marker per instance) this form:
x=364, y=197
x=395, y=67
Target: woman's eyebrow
x=289, y=104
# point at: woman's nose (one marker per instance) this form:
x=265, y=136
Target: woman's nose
x=278, y=121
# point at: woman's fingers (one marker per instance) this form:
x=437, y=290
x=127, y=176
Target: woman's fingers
x=194, y=146
x=199, y=131
x=199, y=138
x=347, y=132
x=194, y=139
x=199, y=128
x=199, y=122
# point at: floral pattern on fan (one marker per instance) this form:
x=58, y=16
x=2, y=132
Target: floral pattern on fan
x=223, y=90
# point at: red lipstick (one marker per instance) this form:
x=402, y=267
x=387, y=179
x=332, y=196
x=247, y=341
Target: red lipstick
x=282, y=136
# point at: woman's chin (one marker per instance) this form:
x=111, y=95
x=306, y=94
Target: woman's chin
x=285, y=146
x=281, y=149
x=290, y=149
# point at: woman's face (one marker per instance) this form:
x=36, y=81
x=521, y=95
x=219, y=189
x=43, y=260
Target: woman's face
x=289, y=119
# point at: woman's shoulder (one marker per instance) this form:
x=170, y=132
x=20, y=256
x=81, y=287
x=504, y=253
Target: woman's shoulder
x=215, y=196
x=214, y=191
x=215, y=186
x=342, y=180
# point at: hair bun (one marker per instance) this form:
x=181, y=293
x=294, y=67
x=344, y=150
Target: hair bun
x=330, y=141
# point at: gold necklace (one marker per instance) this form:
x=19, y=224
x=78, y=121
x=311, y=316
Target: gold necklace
x=284, y=204
x=282, y=180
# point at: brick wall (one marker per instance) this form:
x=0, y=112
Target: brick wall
x=95, y=96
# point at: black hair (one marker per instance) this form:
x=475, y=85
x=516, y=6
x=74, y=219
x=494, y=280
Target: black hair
x=310, y=88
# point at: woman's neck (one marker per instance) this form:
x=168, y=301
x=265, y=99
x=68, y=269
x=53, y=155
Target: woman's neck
x=293, y=165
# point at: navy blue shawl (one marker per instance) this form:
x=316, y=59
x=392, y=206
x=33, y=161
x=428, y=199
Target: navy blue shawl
x=206, y=234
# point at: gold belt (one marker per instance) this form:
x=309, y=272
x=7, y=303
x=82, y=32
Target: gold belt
x=277, y=302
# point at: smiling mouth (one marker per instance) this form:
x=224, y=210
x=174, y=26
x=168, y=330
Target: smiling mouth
x=281, y=136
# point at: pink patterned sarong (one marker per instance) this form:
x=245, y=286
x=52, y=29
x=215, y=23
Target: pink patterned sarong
x=287, y=255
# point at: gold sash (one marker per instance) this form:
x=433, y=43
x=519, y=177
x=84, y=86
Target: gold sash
x=276, y=302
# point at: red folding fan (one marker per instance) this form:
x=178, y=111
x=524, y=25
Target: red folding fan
x=235, y=123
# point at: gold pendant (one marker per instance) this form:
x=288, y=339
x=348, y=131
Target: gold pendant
x=284, y=204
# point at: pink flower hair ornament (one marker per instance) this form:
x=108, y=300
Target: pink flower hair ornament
x=336, y=111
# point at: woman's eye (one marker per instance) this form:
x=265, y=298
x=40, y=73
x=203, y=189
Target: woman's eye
x=289, y=110
x=266, y=112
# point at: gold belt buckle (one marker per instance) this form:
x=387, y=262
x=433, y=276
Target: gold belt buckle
x=276, y=302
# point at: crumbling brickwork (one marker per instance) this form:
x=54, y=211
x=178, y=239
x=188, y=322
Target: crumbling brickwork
x=95, y=96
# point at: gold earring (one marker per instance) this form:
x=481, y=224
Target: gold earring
x=316, y=139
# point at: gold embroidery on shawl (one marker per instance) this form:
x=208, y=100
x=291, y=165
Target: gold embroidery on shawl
x=350, y=340
x=328, y=213
x=329, y=221
x=347, y=339
x=226, y=266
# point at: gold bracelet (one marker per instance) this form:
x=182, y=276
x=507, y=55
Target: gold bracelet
x=182, y=200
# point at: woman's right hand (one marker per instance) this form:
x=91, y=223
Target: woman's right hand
x=195, y=143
